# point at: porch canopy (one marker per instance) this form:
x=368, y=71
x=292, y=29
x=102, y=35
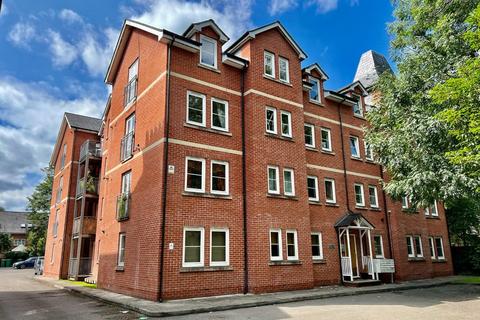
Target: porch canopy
x=354, y=221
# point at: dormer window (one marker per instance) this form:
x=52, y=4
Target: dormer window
x=315, y=90
x=208, y=52
x=269, y=64
x=358, y=107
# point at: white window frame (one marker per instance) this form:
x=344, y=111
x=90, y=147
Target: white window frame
x=382, y=255
x=277, y=177
x=360, y=106
x=412, y=245
x=368, y=151
x=442, y=257
x=64, y=156
x=265, y=54
x=312, y=79
x=328, y=131
x=274, y=131
x=227, y=177
x=126, y=183
x=289, y=124
x=320, y=244
x=202, y=190
x=225, y=103
x=214, y=42
x=132, y=76
x=312, y=127
x=287, y=69
x=121, y=236
x=332, y=181
x=376, y=205
x=317, y=198
x=280, y=249
x=433, y=247
x=202, y=247
x=295, y=244
x=293, y=182
x=405, y=202
x=359, y=204
x=204, y=109
x=357, y=147
x=429, y=211
x=420, y=255
x=227, y=247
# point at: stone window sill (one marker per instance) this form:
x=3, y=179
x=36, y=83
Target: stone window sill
x=361, y=117
x=209, y=68
x=330, y=153
x=356, y=158
x=119, y=269
x=206, y=269
x=311, y=149
x=416, y=259
x=198, y=127
x=439, y=260
x=319, y=261
x=316, y=103
x=375, y=209
x=207, y=195
x=281, y=196
x=361, y=208
x=285, y=263
x=315, y=203
x=277, y=136
x=335, y=205
x=288, y=84
x=432, y=218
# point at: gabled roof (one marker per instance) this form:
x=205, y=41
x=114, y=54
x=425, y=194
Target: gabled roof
x=13, y=222
x=371, y=65
x=198, y=26
x=353, y=219
x=315, y=66
x=352, y=86
x=161, y=34
x=74, y=121
x=253, y=33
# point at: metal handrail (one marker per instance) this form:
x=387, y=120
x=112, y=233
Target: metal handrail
x=130, y=91
x=123, y=206
x=126, y=147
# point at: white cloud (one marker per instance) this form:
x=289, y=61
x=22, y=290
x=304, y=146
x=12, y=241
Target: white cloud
x=30, y=114
x=279, y=6
x=96, y=54
x=174, y=15
x=71, y=16
x=21, y=34
x=323, y=6
x=63, y=53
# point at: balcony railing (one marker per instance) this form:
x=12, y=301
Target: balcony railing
x=126, y=148
x=123, y=206
x=76, y=226
x=130, y=91
x=84, y=269
x=90, y=148
x=88, y=185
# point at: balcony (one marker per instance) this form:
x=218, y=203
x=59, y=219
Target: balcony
x=89, y=226
x=126, y=148
x=130, y=91
x=88, y=186
x=123, y=206
x=84, y=268
x=90, y=148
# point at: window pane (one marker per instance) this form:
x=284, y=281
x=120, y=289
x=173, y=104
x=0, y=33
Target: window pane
x=283, y=70
x=373, y=196
x=194, y=174
x=354, y=146
x=218, y=246
x=431, y=246
x=312, y=188
x=409, y=246
x=192, y=238
x=195, y=109
x=192, y=254
x=208, y=52
x=314, y=90
x=287, y=179
x=358, y=195
x=286, y=124
x=325, y=139
x=439, y=246
x=329, y=190
x=378, y=245
x=418, y=246
x=274, y=240
x=268, y=64
x=219, y=115
x=272, y=179
x=219, y=177
x=308, y=135
x=218, y=254
x=270, y=114
x=192, y=246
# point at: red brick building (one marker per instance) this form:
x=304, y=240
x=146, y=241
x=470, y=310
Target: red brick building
x=230, y=171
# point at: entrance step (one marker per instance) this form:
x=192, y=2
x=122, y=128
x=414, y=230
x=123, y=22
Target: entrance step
x=362, y=283
x=90, y=280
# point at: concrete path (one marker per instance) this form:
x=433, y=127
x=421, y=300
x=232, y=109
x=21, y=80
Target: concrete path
x=212, y=304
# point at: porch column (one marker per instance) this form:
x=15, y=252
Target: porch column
x=362, y=232
x=349, y=255
x=371, y=253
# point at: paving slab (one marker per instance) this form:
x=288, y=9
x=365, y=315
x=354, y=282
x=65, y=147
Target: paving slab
x=222, y=303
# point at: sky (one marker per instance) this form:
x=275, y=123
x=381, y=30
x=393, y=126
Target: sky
x=54, y=55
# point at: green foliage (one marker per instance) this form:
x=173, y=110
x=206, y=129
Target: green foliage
x=6, y=242
x=464, y=221
x=16, y=256
x=431, y=41
x=2, y=209
x=39, y=207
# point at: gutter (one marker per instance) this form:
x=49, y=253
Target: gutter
x=387, y=221
x=244, y=186
x=165, y=170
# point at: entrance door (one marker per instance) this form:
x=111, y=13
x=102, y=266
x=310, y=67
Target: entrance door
x=353, y=251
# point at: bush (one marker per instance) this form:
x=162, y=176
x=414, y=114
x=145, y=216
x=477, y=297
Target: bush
x=16, y=255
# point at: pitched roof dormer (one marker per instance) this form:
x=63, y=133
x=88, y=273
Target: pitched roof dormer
x=315, y=68
x=249, y=35
x=198, y=26
x=351, y=88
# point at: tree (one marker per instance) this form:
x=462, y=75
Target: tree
x=412, y=132
x=6, y=242
x=2, y=209
x=39, y=207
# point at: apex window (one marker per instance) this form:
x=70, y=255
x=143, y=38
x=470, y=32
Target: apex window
x=326, y=140
x=358, y=107
x=208, y=51
x=292, y=245
x=195, y=175
x=330, y=191
x=288, y=182
x=193, y=247
x=64, y=156
x=273, y=180
x=271, y=120
x=315, y=90
x=317, y=249
x=283, y=70
x=219, y=114
x=359, y=196
x=269, y=64
x=354, y=147
x=196, y=105
x=276, y=245
x=312, y=188
x=286, y=118
x=309, y=135
x=130, y=90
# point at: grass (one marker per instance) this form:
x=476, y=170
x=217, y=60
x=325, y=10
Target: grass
x=80, y=284
x=469, y=280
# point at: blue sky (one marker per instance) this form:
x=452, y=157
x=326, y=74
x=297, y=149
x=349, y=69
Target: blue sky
x=53, y=57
